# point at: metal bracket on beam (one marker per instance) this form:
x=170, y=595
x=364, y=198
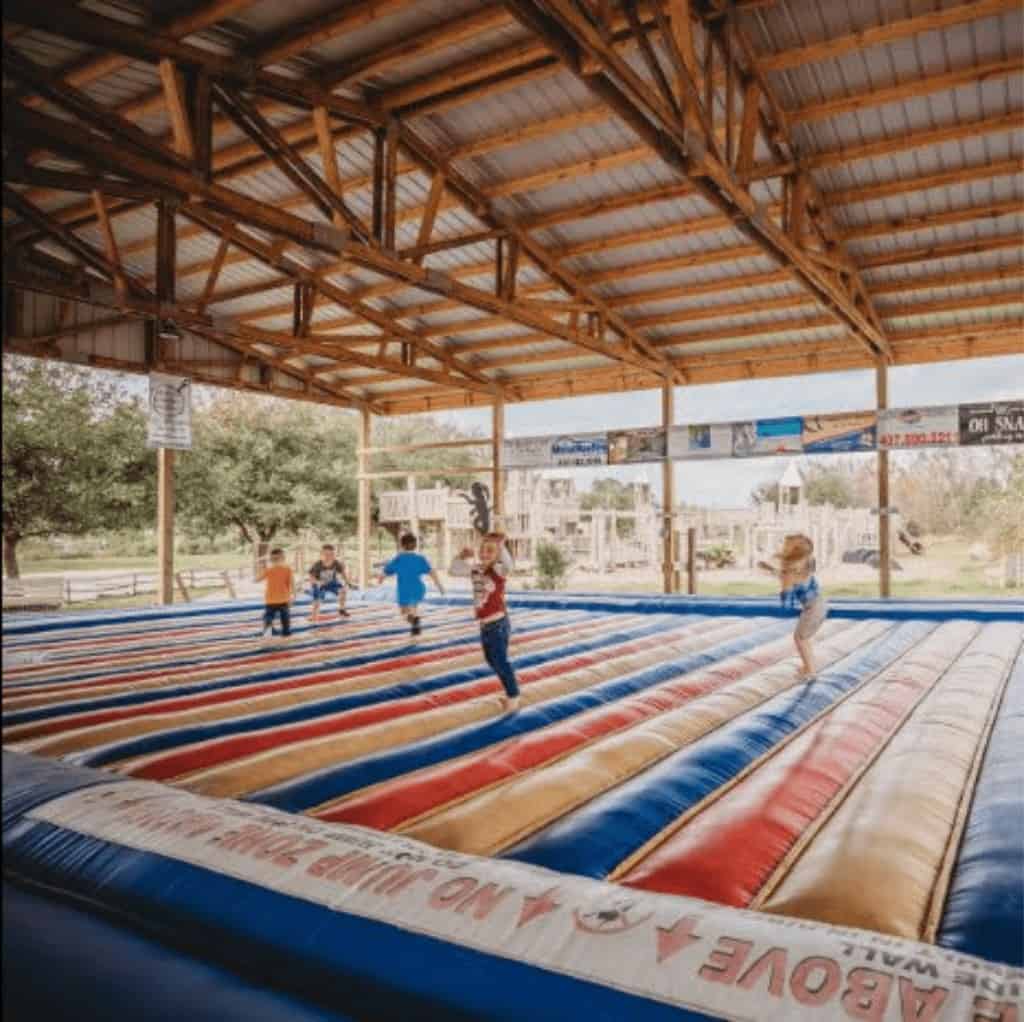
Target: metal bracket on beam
x=327, y=234
x=434, y=280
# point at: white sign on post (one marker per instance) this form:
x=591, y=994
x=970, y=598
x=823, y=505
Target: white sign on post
x=170, y=412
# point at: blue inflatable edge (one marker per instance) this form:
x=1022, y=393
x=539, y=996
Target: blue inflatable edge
x=345, y=959
x=736, y=606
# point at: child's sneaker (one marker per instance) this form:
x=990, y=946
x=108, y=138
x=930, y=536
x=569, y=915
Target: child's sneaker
x=343, y=613
x=416, y=626
x=511, y=704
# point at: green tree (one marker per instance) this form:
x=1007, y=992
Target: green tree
x=74, y=455
x=552, y=565
x=609, y=494
x=265, y=467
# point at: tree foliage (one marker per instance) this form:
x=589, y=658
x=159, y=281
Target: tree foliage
x=267, y=467
x=609, y=494
x=74, y=455
x=552, y=565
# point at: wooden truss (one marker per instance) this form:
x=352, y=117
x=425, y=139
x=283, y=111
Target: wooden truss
x=368, y=305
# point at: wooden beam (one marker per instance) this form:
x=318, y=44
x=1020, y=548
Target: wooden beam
x=646, y=116
x=110, y=243
x=668, y=489
x=20, y=68
x=876, y=35
x=469, y=377
x=165, y=525
x=748, y=126
x=390, y=184
x=82, y=71
x=343, y=17
x=328, y=156
x=884, y=510
x=910, y=349
x=325, y=198
x=166, y=252
x=928, y=85
x=411, y=46
x=211, y=281
x=363, y=504
x=200, y=106
x=498, y=462
x=142, y=43
x=174, y=96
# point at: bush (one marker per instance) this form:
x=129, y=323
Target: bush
x=552, y=566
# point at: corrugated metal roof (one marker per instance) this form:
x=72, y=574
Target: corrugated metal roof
x=647, y=279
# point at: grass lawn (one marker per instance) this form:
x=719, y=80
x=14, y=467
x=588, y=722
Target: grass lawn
x=182, y=562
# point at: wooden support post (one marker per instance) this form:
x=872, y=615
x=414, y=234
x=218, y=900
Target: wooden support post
x=363, y=508
x=691, y=561
x=391, y=185
x=379, y=148
x=200, y=99
x=884, y=516
x=497, y=465
x=165, y=525
x=668, y=488
x=166, y=251
x=179, y=578
x=499, y=266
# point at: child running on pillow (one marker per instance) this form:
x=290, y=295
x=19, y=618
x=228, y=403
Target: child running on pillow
x=488, y=574
x=800, y=591
x=409, y=568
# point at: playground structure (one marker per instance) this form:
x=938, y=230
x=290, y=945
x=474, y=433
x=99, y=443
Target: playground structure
x=539, y=506
x=547, y=506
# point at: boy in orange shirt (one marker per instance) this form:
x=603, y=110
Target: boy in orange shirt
x=278, y=594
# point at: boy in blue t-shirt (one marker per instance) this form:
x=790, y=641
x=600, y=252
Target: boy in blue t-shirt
x=409, y=567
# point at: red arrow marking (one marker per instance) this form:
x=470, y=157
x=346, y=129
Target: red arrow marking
x=537, y=906
x=673, y=939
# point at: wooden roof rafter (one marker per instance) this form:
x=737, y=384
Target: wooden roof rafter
x=571, y=280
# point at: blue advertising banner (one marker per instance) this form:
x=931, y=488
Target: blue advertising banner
x=850, y=431
x=768, y=436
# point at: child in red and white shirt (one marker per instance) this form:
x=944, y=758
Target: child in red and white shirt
x=488, y=575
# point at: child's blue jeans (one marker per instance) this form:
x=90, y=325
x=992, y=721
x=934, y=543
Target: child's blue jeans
x=282, y=610
x=494, y=638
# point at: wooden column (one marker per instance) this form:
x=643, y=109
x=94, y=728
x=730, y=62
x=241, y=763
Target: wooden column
x=884, y=517
x=497, y=463
x=668, y=489
x=363, y=509
x=165, y=525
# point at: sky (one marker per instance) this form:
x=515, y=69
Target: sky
x=728, y=483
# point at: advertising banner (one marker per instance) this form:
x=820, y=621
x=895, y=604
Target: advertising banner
x=708, y=440
x=581, y=449
x=170, y=412
x=636, y=445
x=578, y=449
x=767, y=436
x=849, y=431
x=918, y=427
x=1000, y=422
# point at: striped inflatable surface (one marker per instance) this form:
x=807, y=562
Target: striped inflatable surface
x=666, y=746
